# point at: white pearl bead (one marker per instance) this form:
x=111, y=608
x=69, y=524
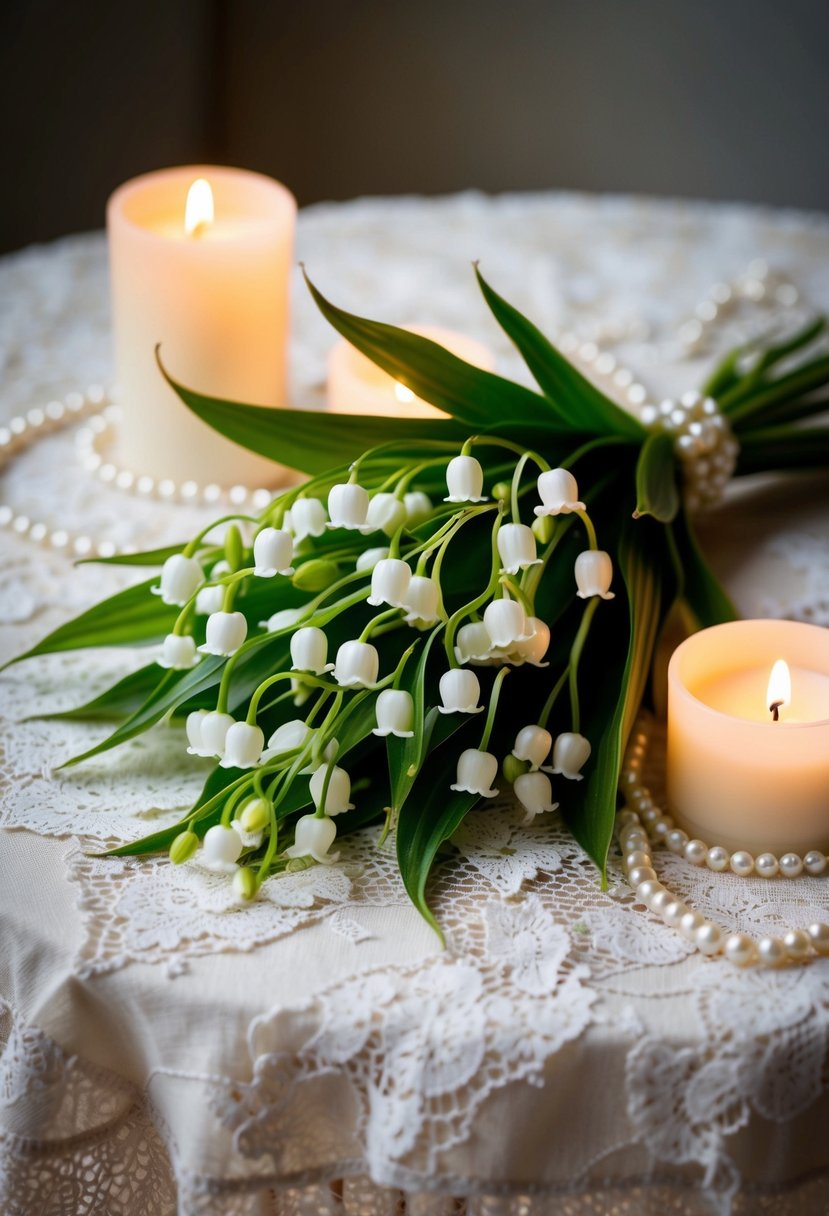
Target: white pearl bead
x=661, y=829
x=695, y=851
x=651, y=814
x=819, y=933
x=625, y=817
x=791, y=865
x=815, y=862
x=637, y=858
x=648, y=888
x=771, y=951
x=742, y=863
x=674, y=913
x=676, y=840
x=740, y=950
x=797, y=943
x=659, y=901
x=717, y=858
x=689, y=924
x=709, y=938
x=766, y=865
x=641, y=874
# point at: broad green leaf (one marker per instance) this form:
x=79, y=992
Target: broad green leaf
x=783, y=447
x=474, y=397
x=656, y=488
x=150, y=557
x=577, y=401
x=700, y=589
x=122, y=699
x=755, y=400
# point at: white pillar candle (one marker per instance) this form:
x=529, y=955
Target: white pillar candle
x=358, y=386
x=215, y=295
x=736, y=776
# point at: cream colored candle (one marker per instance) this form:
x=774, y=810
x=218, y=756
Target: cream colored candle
x=358, y=386
x=214, y=293
x=736, y=776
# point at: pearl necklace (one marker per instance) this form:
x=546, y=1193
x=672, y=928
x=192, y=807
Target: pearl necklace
x=641, y=823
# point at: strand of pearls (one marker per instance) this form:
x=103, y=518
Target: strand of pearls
x=757, y=286
x=642, y=824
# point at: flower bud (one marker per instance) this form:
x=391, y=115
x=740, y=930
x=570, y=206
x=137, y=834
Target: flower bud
x=287, y=738
x=534, y=792
x=559, y=493
x=309, y=650
x=506, y=622
x=313, y=837
x=226, y=631
x=395, y=713
x=234, y=548
x=594, y=574
x=254, y=815
x=533, y=743
x=178, y=652
x=516, y=546
x=512, y=768
x=464, y=480
x=472, y=642
x=570, y=753
x=502, y=491
x=245, y=885
x=476, y=772
x=337, y=798
x=369, y=558
x=418, y=507
x=422, y=600
x=459, y=692
x=193, y=727
x=348, y=507
x=209, y=600
x=221, y=849
x=214, y=730
x=390, y=580
x=183, y=847
x=273, y=550
x=316, y=575
x=543, y=527
x=308, y=518
x=357, y=663
x=386, y=513
x=243, y=746
x=180, y=578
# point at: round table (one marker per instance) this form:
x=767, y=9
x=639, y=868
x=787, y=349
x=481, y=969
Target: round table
x=317, y=1051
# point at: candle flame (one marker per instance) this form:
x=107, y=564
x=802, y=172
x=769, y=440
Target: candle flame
x=780, y=687
x=198, y=212
x=404, y=395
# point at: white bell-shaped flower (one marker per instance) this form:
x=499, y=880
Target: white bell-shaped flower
x=178, y=652
x=193, y=727
x=459, y=691
x=221, y=848
x=422, y=600
x=516, y=546
x=348, y=507
x=386, y=513
x=357, y=664
x=506, y=623
x=309, y=650
x=418, y=506
x=243, y=746
x=308, y=518
x=594, y=574
x=390, y=580
x=338, y=796
x=226, y=631
x=473, y=643
x=395, y=713
x=287, y=738
x=369, y=558
x=476, y=772
x=532, y=743
x=571, y=752
x=534, y=648
x=286, y=618
x=209, y=600
x=273, y=551
x=559, y=493
x=181, y=577
x=464, y=480
x=534, y=792
x=313, y=837
x=214, y=730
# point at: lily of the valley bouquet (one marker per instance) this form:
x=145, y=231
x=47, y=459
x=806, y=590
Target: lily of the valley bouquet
x=446, y=607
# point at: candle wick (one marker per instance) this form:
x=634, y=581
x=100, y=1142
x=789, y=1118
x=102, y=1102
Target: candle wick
x=775, y=710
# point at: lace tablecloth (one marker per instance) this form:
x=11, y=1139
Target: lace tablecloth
x=316, y=1051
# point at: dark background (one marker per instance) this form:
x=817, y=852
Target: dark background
x=337, y=98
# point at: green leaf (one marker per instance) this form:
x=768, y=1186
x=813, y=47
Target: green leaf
x=150, y=557
x=577, y=401
x=477, y=398
x=783, y=447
x=122, y=699
x=656, y=488
x=701, y=590
x=754, y=401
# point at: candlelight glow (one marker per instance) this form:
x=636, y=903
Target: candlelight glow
x=198, y=212
x=780, y=687
x=404, y=395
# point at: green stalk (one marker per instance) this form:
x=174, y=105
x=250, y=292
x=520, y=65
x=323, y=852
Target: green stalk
x=493, y=706
x=575, y=656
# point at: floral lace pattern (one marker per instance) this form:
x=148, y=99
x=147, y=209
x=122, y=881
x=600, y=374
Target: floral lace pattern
x=394, y=1083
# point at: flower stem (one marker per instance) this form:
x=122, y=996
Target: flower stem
x=575, y=656
x=591, y=531
x=553, y=697
x=493, y=706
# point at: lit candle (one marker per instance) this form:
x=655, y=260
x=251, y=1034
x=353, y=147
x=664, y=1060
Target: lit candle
x=748, y=736
x=358, y=386
x=200, y=261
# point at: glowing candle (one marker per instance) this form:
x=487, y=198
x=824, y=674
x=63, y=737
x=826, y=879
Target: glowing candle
x=748, y=736
x=200, y=261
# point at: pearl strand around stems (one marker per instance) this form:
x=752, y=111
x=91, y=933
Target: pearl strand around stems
x=641, y=823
